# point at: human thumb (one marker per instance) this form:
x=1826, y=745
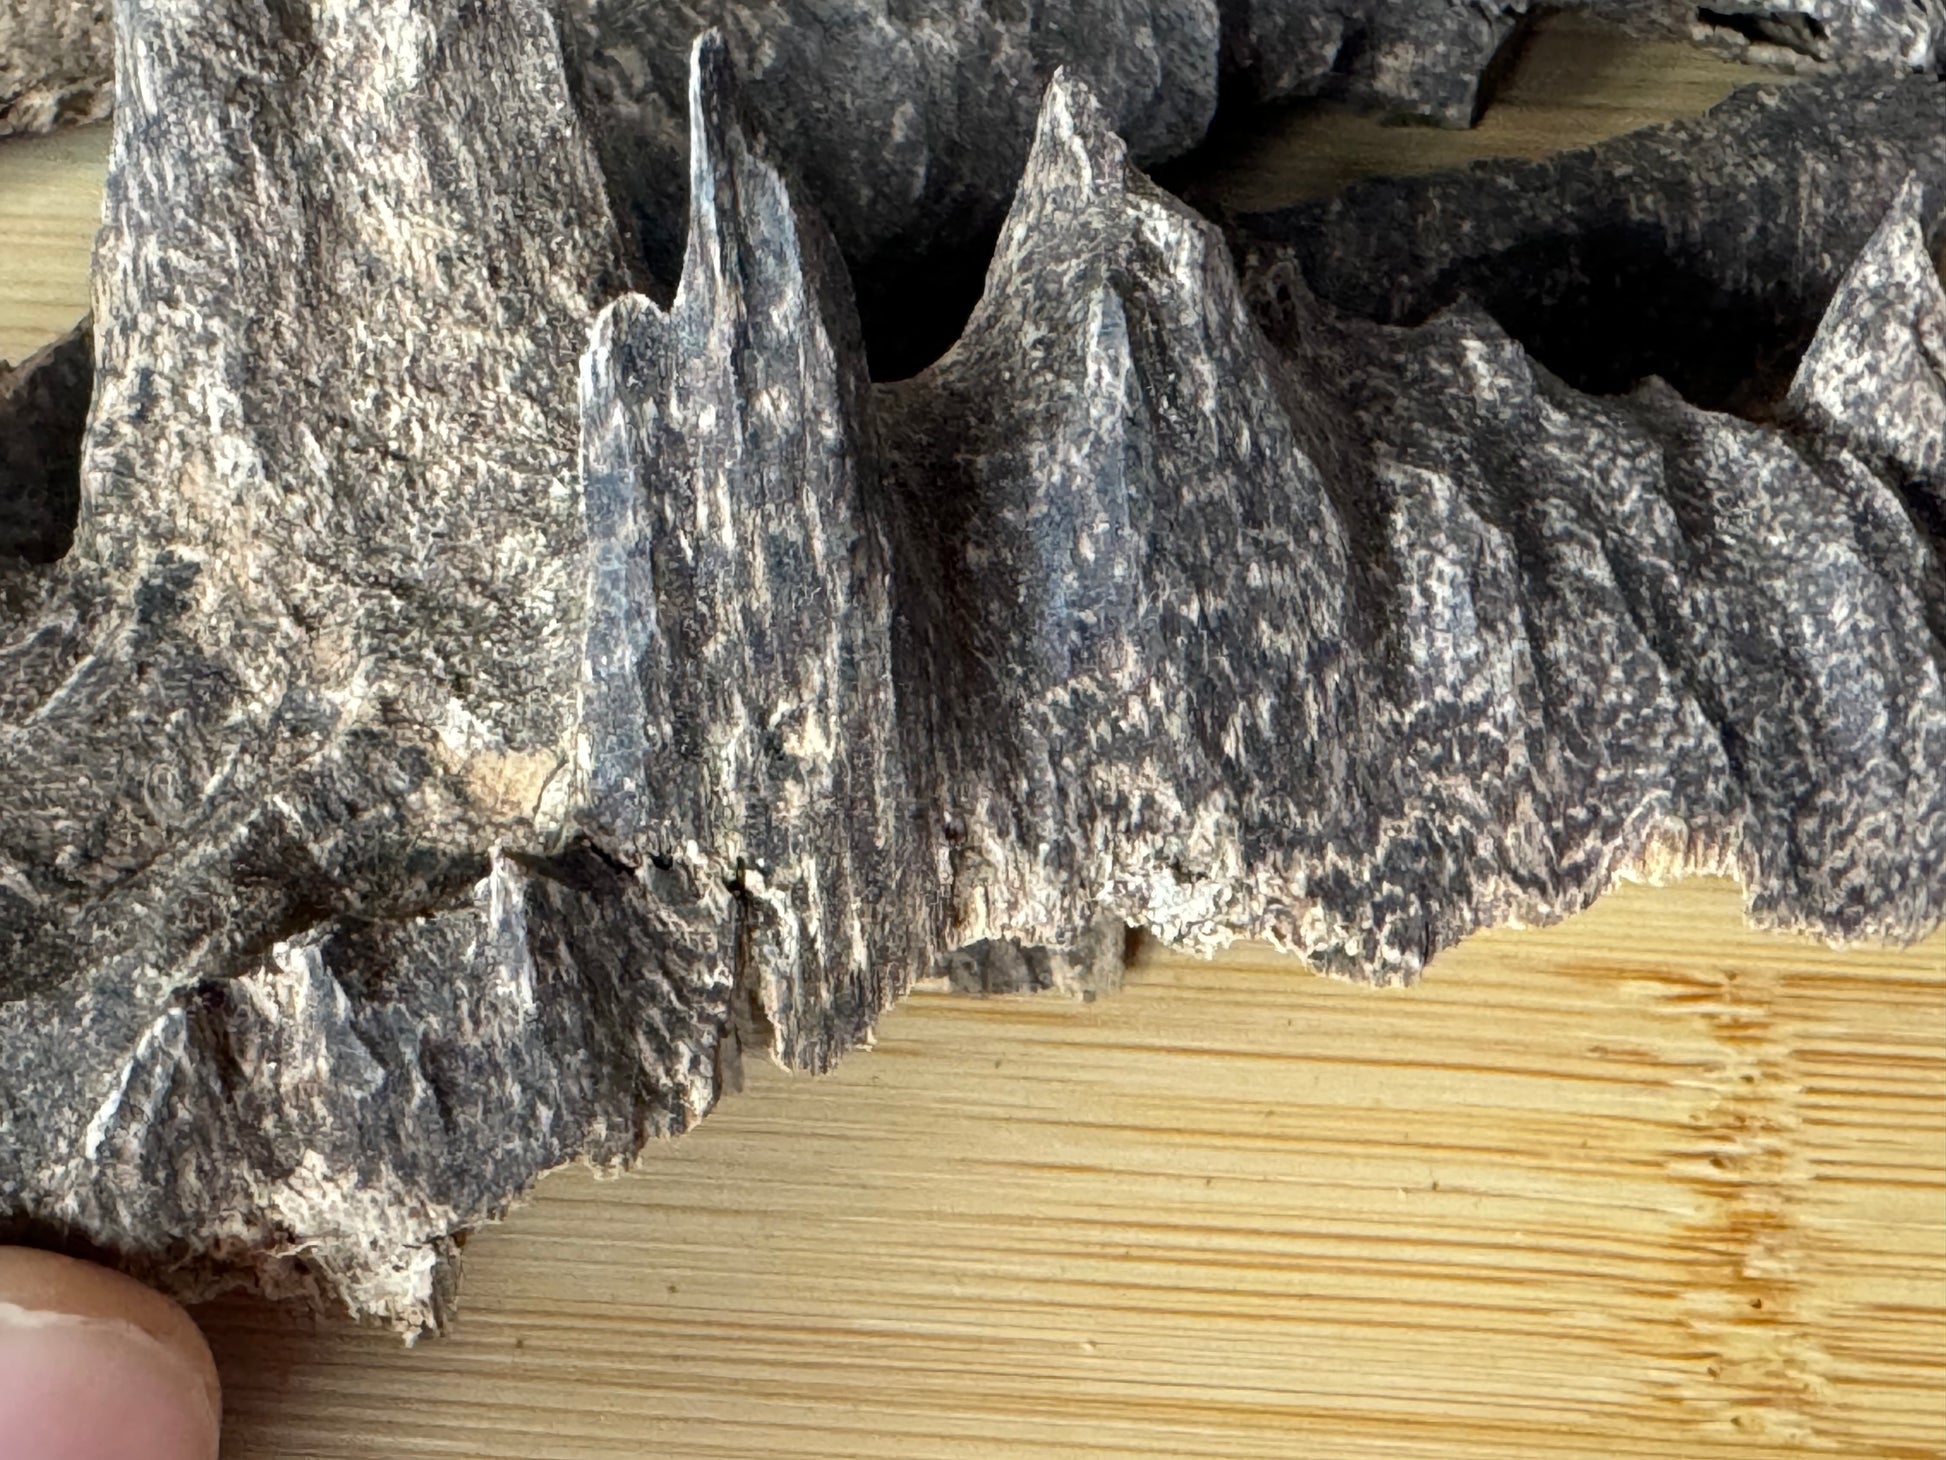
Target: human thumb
x=94, y=1366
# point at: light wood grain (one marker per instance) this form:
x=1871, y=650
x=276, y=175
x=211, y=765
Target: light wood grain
x=50, y=207
x=1647, y=1184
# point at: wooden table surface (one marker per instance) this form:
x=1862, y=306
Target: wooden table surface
x=1648, y=1183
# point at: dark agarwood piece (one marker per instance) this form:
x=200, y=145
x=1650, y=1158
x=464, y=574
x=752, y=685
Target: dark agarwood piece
x=481, y=705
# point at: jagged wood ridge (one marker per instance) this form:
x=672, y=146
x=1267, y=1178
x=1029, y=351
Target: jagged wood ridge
x=434, y=773
x=907, y=125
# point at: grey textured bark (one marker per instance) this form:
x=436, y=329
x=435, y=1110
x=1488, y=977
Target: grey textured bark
x=1411, y=56
x=1875, y=372
x=739, y=698
x=1367, y=638
x=1092, y=964
x=428, y=772
x=1802, y=35
x=1436, y=58
x=57, y=60
x=307, y=675
x=906, y=126
x=1711, y=267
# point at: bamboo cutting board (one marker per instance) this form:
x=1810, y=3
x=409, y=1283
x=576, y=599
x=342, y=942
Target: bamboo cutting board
x=1646, y=1184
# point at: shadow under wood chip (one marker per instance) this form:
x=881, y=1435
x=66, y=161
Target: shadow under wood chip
x=1794, y=31
x=1702, y=251
x=1606, y=308
x=43, y=413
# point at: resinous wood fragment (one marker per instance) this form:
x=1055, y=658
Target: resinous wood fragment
x=482, y=705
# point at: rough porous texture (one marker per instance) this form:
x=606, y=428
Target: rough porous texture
x=481, y=704
x=1438, y=58
x=57, y=61
x=1357, y=638
x=307, y=676
x=926, y=103
x=906, y=125
x=1712, y=266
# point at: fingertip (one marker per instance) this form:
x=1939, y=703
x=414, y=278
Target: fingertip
x=94, y=1366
